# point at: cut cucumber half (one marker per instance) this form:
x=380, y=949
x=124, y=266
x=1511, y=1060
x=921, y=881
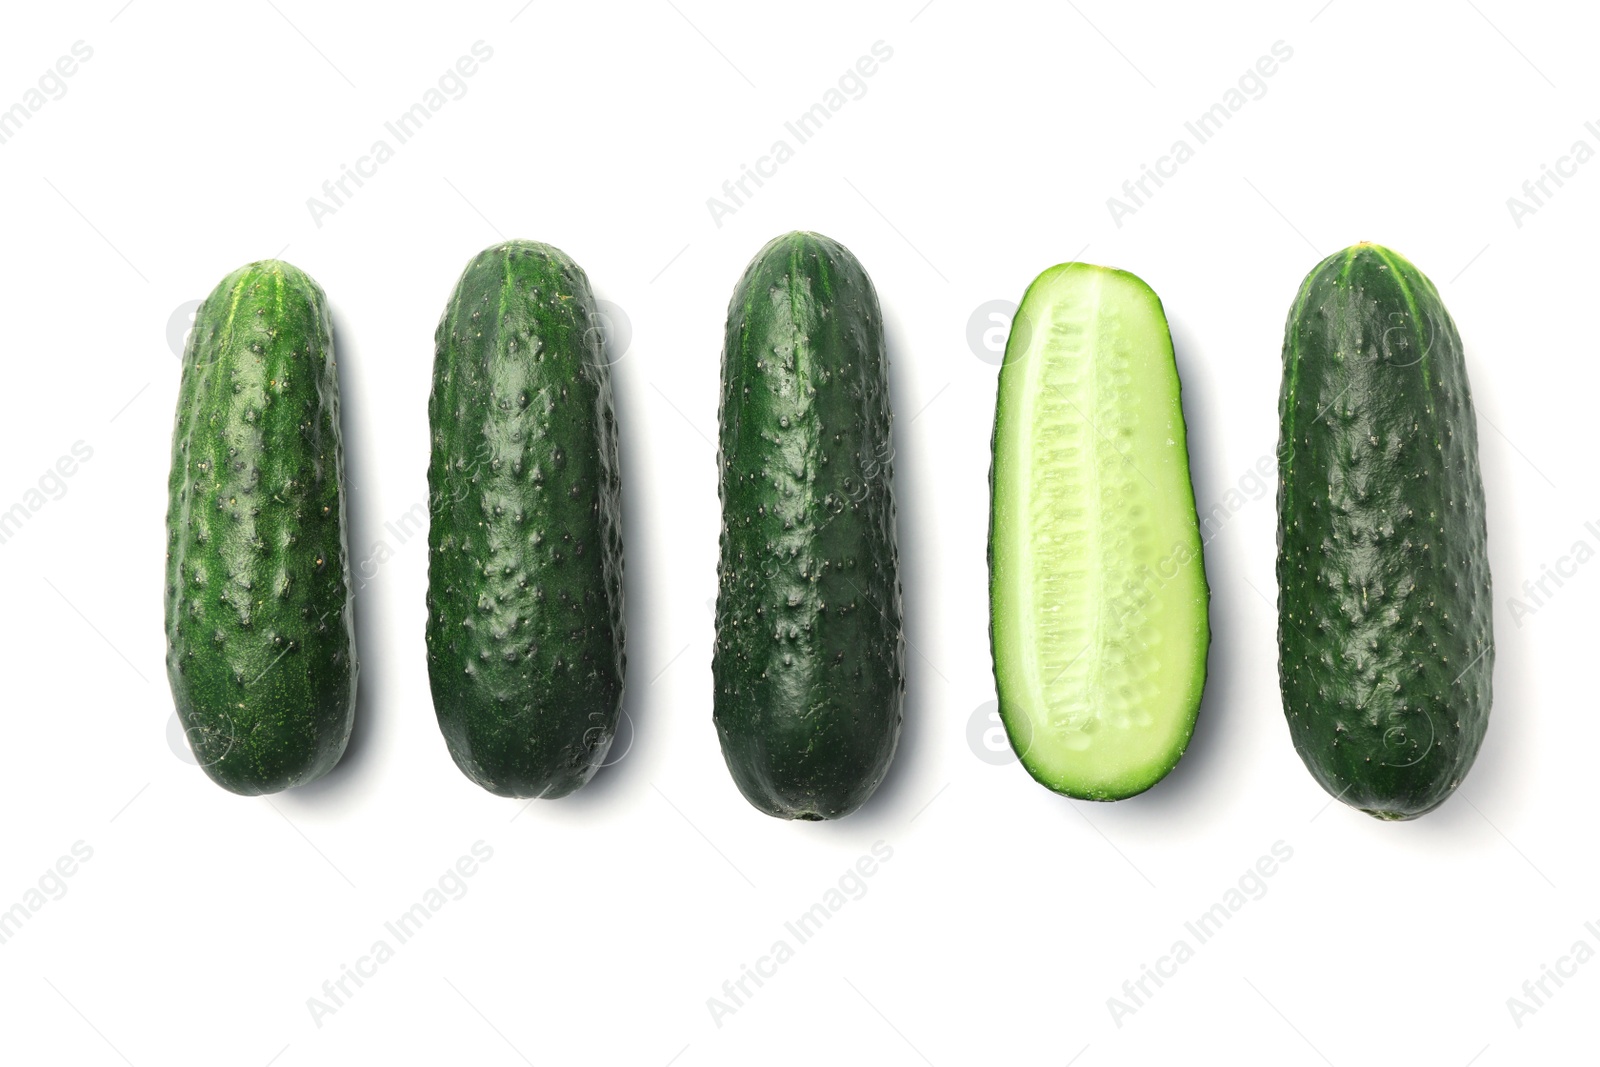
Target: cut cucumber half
x=1097, y=586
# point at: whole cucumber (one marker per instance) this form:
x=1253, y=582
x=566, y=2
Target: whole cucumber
x=525, y=627
x=260, y=636
x=1385, y=618
x=809, y=662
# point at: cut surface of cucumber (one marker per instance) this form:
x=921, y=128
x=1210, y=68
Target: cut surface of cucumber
x=1098, y=594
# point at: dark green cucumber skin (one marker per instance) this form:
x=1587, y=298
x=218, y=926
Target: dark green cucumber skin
x=525, y=629
x=1385, y=617
x=260, y=633
x=809, y=662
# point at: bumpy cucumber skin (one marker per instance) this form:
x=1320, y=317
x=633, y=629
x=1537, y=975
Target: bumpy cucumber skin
x=1385, y=615
x=809, y=662
x=525, y=631
x=260, y=633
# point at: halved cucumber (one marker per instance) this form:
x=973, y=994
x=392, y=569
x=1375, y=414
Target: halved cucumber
x=1097, y=587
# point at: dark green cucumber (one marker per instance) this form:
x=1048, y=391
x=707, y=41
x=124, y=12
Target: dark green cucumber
x=809, y=663
x=260, y=636
x=1385, y=621
x=525, y=617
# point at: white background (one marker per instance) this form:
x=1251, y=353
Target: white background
x=982, y=152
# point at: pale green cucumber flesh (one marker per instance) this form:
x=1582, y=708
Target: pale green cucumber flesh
x=1097, y=581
